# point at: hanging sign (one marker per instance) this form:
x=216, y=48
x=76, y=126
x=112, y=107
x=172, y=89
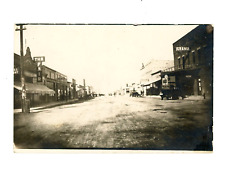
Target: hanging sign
x=39, y=61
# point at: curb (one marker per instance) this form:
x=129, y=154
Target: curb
x=53, y=105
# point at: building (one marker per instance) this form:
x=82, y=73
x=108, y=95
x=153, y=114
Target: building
x=193, y=62
x=52, y=87
x=80, y=91
x=57, y=82
x=151, y=75
x=36, y=92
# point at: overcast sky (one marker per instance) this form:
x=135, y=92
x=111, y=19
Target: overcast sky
x=107, y=56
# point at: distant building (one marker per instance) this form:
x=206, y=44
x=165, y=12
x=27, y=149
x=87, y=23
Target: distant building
x=193, y=61
x=151, y=75
x=56, y=81
x=80, y=91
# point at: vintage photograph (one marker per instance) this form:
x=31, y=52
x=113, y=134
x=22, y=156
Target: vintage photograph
x=123, y=87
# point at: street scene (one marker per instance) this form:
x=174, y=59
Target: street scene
x=113, y=87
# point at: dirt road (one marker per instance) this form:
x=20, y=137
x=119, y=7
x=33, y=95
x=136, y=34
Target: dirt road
x=118, y=123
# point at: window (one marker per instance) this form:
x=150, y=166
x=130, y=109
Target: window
x=183, y=59
x=48, y=74
x=188, y=59
x=34, y=80
x=52, y=75
x=199, y=86
x=179, y=62
x=199, y=56
x=16, y=70
x=193, y=57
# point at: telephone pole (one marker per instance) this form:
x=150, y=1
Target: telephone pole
x=23, y=95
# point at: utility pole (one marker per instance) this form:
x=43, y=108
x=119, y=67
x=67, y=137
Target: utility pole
x=85, y=93
x=23, y=95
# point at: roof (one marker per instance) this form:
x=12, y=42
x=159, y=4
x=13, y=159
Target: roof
x=34, y=88
x=198, y=33
x=53, y=70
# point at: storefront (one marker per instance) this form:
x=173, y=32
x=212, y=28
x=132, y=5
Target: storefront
x=35, y=93
x=193, y=60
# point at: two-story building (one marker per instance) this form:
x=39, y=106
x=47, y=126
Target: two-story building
x=36, y=92
x=193, y=62
x=57, y=82
x=151, y=75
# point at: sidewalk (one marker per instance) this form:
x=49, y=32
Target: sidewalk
x=153, y=96
x=196, y=97
x=190, y=97
x=49, y=105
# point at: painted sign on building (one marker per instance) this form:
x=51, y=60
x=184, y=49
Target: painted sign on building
x=182, y=48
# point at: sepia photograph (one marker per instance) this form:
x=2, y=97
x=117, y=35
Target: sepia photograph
x=113, y=87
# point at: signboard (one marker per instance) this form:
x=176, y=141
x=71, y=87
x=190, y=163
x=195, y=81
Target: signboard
x=39, y=59
x=182, y=48
x=39, y=72
x=164, y=81
x=39, y=76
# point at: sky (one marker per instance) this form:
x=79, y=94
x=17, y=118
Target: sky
x=106, y=56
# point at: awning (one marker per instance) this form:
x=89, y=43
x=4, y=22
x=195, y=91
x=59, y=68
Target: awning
x=34, y=88
x=153, y=80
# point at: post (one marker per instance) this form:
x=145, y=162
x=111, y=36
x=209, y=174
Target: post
x=74, y=89
x=85, y=93
x=23, y=95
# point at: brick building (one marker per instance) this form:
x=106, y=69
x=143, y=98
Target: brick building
x=193, y=62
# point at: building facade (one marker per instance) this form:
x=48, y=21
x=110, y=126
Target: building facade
x=36, y=92
x=52, y=87
x=193, y=62
x=151, y=75
x=57, y=82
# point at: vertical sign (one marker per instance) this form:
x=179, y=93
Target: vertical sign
x=39, y=61
x=39, y=72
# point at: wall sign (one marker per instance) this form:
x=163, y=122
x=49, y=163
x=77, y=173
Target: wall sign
x=182, y=48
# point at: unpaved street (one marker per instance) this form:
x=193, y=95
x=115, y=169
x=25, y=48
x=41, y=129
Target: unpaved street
x=117, y=123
